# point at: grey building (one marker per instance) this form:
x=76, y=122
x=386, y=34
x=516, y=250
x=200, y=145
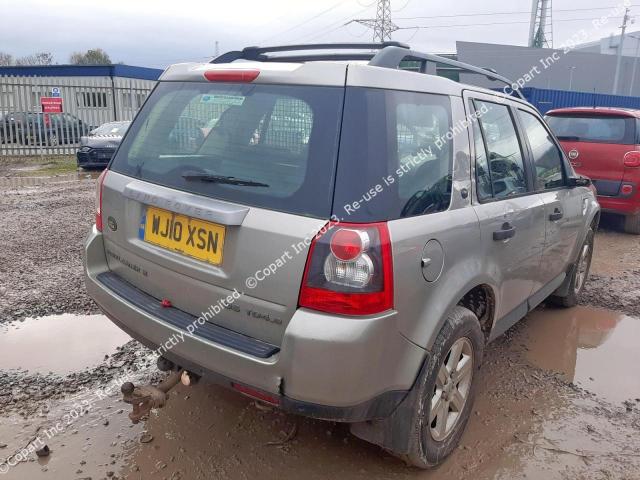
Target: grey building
x=609, y=45
x=576, y=70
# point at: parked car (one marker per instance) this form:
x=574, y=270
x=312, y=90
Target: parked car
x=336, y=272
x=98, y=147
x=32, y=128
x=11, y=125
x=55, y=129
x=604, y=144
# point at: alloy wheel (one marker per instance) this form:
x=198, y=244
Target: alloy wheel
x=583, y=267
x=452, y=389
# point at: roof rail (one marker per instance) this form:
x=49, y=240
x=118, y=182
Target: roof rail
x=259, y=53
x=385, y=54
x=392, y=56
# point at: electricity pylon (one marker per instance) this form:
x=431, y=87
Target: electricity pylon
x=541, y=28
x=382, y=26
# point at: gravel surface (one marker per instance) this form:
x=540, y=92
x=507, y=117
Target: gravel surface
x=42, y=231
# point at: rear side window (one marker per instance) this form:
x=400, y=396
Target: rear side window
x=269, y=146
x=483, y=175
x=395, y=155
x=502, y=149
x=594, y=128
x=547, y=159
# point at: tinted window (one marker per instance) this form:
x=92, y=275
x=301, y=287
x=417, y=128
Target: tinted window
x=395, y=158
x=593, y=128
x=280, y=139
x=483, y=175
x=506, y=164
x=547, y=158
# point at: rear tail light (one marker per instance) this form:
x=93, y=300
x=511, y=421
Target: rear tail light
x=349, y=270
x=235, y=75
x=99, y=185
x=632, y=159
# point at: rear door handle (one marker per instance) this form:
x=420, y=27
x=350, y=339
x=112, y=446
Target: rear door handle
x=556, y=215
x=507, y=231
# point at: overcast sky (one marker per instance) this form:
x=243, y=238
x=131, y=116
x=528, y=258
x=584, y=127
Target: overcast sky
x=156, y=33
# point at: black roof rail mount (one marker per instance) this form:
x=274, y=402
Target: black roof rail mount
x=386, y=55
x=259, y=54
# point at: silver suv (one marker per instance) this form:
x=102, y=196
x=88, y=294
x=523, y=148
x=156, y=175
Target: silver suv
x=338, y=231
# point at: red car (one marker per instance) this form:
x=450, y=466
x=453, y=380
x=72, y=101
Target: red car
x=604, y=145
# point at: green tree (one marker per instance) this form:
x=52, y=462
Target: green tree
x=94, y=56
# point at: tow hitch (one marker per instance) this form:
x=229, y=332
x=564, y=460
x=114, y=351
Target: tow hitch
x=146, y=397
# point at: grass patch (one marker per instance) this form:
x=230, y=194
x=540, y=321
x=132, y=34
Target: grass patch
x=36, y=166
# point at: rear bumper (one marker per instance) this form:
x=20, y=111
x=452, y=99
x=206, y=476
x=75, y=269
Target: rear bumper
x=334, y=368
x=612, y=199
x=621, y=205
x=90, y=161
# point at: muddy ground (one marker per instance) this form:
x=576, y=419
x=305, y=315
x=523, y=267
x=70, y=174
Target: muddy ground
x=559, y=395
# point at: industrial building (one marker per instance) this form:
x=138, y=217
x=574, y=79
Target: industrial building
x=555, y=69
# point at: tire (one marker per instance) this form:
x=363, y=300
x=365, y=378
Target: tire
x=429, y=442
x=53, y=140
x=632, y=224
x=579, y=275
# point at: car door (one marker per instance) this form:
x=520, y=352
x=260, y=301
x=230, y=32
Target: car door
x=510, y=213
x=563, y=205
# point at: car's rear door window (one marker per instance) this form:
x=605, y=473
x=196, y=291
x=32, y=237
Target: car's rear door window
x=547, y=159
x=503, y=150
x=594, y=128
x=269, y=146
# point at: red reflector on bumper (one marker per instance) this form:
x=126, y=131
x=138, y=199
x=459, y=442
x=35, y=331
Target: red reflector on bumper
x=626, y=190
x=257, y=394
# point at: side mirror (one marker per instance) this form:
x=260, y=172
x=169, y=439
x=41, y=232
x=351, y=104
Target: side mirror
x=579, y=182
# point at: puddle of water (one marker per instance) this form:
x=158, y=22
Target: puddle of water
x=60, y=343
x=596, y=349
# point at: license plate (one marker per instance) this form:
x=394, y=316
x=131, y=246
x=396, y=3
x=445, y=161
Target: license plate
x=188, y=236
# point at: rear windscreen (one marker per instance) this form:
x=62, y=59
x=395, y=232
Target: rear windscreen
x=269, y=146
x=593, y=128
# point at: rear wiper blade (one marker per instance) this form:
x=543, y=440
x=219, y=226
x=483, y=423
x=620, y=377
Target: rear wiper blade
x=207, y=177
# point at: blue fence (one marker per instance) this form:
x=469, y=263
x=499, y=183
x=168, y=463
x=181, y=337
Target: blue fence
x=545, y=100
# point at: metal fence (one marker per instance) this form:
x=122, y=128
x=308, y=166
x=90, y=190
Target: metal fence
x=87, y=102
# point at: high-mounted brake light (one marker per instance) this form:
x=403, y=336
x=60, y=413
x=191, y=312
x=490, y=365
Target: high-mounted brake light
x=241, y=76
x=632, y=159
x=349, y=270
x=99, y=185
